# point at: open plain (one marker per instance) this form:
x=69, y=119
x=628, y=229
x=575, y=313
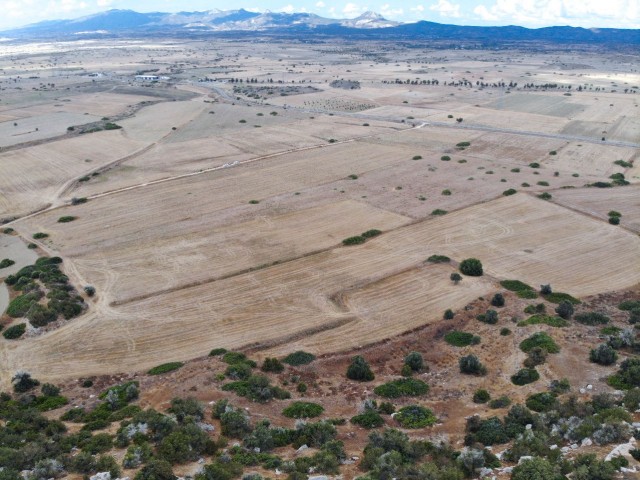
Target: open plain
x=208, y=209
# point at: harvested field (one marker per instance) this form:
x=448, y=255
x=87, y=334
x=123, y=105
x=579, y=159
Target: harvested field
x=40, y=127
x=600, y=201
x=294, y=300
x=554, y=105
x=157, y=121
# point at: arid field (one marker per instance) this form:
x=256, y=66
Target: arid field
x=215, y=214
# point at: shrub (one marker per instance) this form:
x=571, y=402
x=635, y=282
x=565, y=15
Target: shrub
x=369, y=419
x=89, y=290
x=156, y=469
x=544, y=319
x=536, y=356
x=461, y=339
x=471, y=267
x=446, y=192
x=404, y=387
x=15, y=331
x=557, y=297
x=534, y=165
x=471, y=365
x=448, y=314
x=443, y=259
x=614, y=220
x=357, y=240
x=6, y=262
x=414, y=361
x=371, y=233
x=559, y=387
x=501, y=402
x=303, y=410
x=509, y=192
x=539, y=339
x=565, y=309
x=165, y=368
x=417, y=157
x=39, y=235
x=545, y=196
x=515, y=285
x=298, y=358
x=629, y=305
x=445, y=158
x=257, y=388
x=359, y=370
x=66, y=219
x=238, y=371
x=481, y=396
x=525, y=376
x=439, y=211
x=536, y=468
x=415, y=416
x=455, y=277
x=490, y=317
x=505, y=331
x=272, y=365
x=497, y=300
x=591, y=318
x=488, y=432
x=353, y=176
x=237, y=357
x=603, y=354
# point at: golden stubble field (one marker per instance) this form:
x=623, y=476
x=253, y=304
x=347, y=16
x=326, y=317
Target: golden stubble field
x=216, y=219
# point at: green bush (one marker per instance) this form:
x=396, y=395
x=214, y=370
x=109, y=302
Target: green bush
x=471, y=267
x=509, y=192
x=414, y=361
x=298, y=358
x=448, y=314
x=471, y=365
x=505, y=331
x=541, y=402
x=552, y=321
x=15, y=331
x=237, y=357
x=404, y=387
x=369, y=419
x=257, y=388
x=303, y=410
x=534, y=165
x=272, y=365
x=445, y=158
x=19, y=306
x=629, y=305
x=66, y=219
x=359, y=370
x=614, y=220
x=527, y=294
x=439, y=211
x=217, y=352
x=6, y=262
x=557, y=297
x=603, y=354
x=539, y=339
x=357, y=240
x=490, y=317
x=39, y=235
x=438, y=259
x=500, y=402
x=545, y=196
x=525, y=376
x=165, y=368
x=371, y=233
x=591, y=318
x=481, y=396
x=461, y=339
x=415, y=416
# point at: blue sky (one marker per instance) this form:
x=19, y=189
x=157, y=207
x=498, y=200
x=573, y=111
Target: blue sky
x=529, y=13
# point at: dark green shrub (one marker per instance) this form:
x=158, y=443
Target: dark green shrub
x=303, y=410
x=371, y=233
x=509, y=192
x=272, y=365
x=445, y=158
x=369, y=419
x=448, y=314
x=497, y=300
x=629, y=305
x=23, y=382
x=404, y=387
x=505, y=331
x=471, y=365
x=414, y=361
x=157, y=469
x=603, y=354
x=545, y=196
x=527, y=294
x=357, y=240
x=515, y=285
x=541, y=402
x=417, y=157
x=238, y=371
x=439, y=211
x=565, y=309
x=301, y=387
x=525, y=376
x=591, y=318
x=39, y=235
x=481, y=396
x=165, y=368
x=6, y=262
x=539, y=339
x=455, y=277
x=438, y=259
x=490, y=317
x=461, y=339
x=614, y=220
x=471, y=267
x=66, y=219
x=236, y=357
x=415, y=416
x=544, y=319
x=534, y=165
x=359, y=370
x=298, y=358
x=501, y=402
x=15, y=331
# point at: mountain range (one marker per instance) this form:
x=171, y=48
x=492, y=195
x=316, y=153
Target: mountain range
x=128, y=23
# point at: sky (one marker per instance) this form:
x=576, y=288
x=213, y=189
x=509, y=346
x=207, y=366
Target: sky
x=527, y=13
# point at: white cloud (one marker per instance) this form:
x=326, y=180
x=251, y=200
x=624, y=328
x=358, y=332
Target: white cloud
x=585, y=13
x=417, y=8
x=446, y=9
x=320, y=5
x=288, y=9
x=387, y=11
x=353, y=9
x=104, y=3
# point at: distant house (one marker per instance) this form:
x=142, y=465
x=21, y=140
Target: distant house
x=147, y=78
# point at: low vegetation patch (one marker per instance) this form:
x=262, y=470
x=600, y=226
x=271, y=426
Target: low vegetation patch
x=15, y=331
x=461, y=339
x=525, y=376
x=6, y=262
x=539, y=339
x=303, y=410
x=415, y=416
x=592, y=318
x=165, y=368
x=552, y=321
x=509, y=192
x=557, y=297
x=298, y=358
x=629, y=305
x=66, y=219
x=257, y=388
x=40, y=235
x=356, y=240
x=438, y=259
x=439, y=211
x=369, y=419
x=404, y=387
x=471, y=267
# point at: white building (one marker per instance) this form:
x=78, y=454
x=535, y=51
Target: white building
x=147, y=78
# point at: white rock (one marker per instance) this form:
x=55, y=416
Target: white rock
x=319, y=477
x=574, y=446
x=635, y=424
x=622, y=450
x=123, y=478
x=565, y=449
x=256, y=449
x=589, y=387
x=524, y=458
x=586, y=442
x=507, y=470
x=200, y=461
x=628, y=470
x=528, y=426
x=485, y=472
x=101, y=476
x=583, y=391
x=278, y=472
x=302, y=449
x=553, y=447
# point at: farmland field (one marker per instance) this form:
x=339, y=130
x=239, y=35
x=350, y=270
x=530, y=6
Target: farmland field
x=214, y=217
